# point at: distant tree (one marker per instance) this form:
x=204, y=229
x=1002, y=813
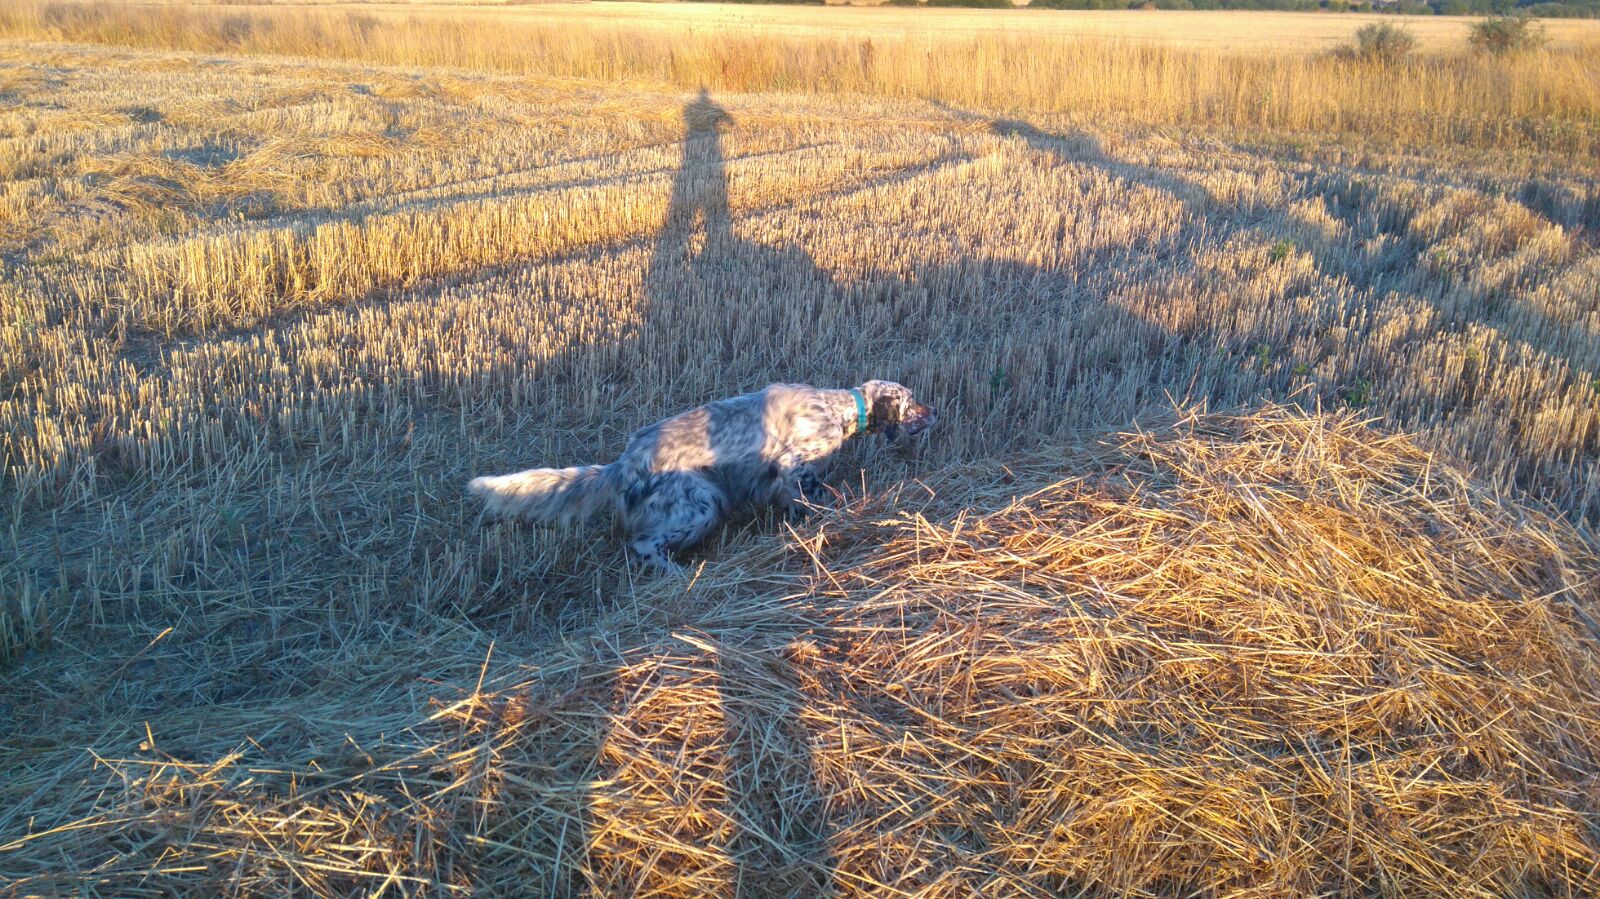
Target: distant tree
x=1382, y=42
x=1563, y=10
x=1505, y=35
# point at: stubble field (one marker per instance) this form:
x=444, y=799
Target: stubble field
x=264, y=315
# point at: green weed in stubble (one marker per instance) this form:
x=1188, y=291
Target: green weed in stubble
x=1359, y=392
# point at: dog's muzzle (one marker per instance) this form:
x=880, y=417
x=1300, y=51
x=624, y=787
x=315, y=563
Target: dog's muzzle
x=917, y=419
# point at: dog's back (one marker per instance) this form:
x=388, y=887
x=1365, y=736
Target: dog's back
x=735, y=442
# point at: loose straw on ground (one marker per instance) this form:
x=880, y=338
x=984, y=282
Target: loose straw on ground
x=1270, y=654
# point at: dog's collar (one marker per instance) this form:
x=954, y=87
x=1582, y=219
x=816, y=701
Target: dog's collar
x=861, y=409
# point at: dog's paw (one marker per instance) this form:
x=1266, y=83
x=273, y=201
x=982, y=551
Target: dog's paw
x=652, y=558
x=670, y=568
x=795, y=513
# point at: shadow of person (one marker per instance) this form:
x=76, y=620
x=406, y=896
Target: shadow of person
x=713, y=302
x=700, y=188
x=1345, y=194
x=779, y=846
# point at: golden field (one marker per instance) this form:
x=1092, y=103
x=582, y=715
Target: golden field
x=1547, y=101
x=1279, y=32
x=1254, y=554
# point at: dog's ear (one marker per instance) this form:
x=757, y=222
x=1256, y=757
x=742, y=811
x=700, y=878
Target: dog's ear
x=885, y=416
x=885, y=412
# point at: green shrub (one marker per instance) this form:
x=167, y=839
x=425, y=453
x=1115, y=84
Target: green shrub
x=1382, y=42
x=1359, y=393
x=1502, y=35
x=1563, y=10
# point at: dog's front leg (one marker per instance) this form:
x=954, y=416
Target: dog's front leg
x=650, y=550
x=801, y=488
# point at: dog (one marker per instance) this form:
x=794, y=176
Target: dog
x=680, y=478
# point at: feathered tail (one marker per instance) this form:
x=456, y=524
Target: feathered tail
x=546, y=494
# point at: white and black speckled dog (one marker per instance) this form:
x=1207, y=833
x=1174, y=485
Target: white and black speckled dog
x=679, y=478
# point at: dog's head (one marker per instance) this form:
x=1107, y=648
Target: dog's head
x=892, y=410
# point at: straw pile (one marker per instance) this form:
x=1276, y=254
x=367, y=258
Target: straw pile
x=1244, y=655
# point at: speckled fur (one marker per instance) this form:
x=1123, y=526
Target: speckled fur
x=679, y=478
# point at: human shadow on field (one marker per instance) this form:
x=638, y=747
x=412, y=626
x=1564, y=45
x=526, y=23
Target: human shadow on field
x=780, y=843
x=716, y=304
x=1376, y=252
x=773, y=838
x=1347, y=199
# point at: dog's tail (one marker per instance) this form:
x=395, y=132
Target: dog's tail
x=560, y=495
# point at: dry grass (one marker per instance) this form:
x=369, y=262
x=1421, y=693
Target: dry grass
x=1264, y=31
x=1255, y=74
x=263, y=317
x=1262, y=655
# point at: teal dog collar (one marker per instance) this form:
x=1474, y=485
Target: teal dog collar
x=861, y=409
